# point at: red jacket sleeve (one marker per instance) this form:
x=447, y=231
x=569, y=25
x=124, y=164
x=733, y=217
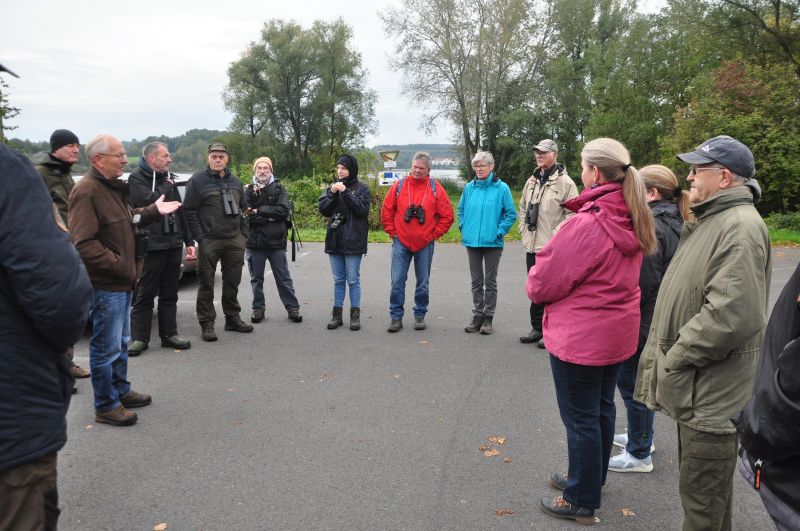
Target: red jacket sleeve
x=388, y=210
x=444, y=212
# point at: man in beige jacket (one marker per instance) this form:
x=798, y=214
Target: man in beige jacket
x=540, y=213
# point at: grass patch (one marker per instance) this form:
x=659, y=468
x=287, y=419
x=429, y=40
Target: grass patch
x=784, y=237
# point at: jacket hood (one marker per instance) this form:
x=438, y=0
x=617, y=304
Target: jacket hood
x=607, y=204
x=491, y=179
x=148, y=171
x=43, y=158
x=725, y=199
x=755, y=189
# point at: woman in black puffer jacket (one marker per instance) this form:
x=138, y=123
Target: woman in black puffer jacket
x=346, y=205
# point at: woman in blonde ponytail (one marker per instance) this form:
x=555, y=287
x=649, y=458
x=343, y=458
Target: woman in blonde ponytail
x=588, y=278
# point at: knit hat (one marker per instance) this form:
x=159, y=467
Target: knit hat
x=349, y=162
x=259, y=160
x=61, y=138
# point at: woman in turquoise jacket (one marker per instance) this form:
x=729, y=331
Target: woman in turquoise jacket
x=486, y=213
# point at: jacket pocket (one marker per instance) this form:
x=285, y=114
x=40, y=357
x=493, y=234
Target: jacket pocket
x=675, y=390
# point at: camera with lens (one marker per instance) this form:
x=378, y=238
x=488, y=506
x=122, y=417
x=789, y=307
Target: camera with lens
x=142, y=235
x=336, y=221
x=532, y=216
x=415, y=211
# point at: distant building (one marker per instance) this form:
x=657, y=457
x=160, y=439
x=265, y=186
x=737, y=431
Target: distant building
x=444, y=161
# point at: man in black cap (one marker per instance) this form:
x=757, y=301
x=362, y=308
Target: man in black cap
x=700, y=358
x=55, y=167
x=214, y=209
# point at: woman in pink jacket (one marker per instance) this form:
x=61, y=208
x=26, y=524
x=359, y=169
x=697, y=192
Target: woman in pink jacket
x=588, y=278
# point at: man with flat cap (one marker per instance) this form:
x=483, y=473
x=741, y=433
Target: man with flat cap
x=55, y=167
x=214, y=206
x=700, y=358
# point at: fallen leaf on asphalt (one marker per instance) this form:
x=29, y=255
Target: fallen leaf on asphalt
x=503, y=512
x=160, y=527
x=484, y=447
x=231, y=389
x=497, y=439
x=238, y=422
x=506, y=460
x=628, y=512
x=423, y=342
x=325, y=376
x=491, y=452
x=89, y=426
x=397, y=376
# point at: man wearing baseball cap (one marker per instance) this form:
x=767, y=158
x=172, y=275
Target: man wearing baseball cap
x=700, y=358
x=214, y=208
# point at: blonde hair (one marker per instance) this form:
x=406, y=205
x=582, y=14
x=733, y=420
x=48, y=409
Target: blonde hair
x=614, y=162
x=664, y=181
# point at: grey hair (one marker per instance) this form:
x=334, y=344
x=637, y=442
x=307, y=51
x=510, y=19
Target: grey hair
x=424, y=155
x=151, y=148
x=483, y=156
x=98, y=144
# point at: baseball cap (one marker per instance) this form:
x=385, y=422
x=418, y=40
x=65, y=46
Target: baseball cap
x=217, y=146
x=724, y=150
x=4, y=69
x=546, y=145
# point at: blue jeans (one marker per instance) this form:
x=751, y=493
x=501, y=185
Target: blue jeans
x=585, y=397
x=346, y=269
x=108, y=347
x=640, y=419
x=401, y=260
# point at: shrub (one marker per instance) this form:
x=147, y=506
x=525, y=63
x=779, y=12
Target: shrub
x=788, y=221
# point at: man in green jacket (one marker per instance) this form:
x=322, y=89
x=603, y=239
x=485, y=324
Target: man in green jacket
x=700, y=358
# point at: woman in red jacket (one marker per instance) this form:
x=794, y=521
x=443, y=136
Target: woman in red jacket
x=588, y=278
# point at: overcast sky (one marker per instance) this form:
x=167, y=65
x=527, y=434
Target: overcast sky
x=141, y=68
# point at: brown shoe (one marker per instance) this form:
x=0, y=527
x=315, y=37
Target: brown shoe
x=79, y=372
x=116, y=417
x=134, y=399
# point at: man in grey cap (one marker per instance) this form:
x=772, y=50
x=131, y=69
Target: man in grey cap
x=540, y=212
x=214, y=208
x=700, y=358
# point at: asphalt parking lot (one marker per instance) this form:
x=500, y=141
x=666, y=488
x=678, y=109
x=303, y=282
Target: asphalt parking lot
x=297, y=427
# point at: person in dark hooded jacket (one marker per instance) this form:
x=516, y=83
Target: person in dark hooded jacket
x=769, y=424
x=346, y=203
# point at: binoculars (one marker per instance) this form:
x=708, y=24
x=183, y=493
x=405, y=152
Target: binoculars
x=142, y=235
x=532, y=216
x=415, y=211
x=336, y=221
x=229, y=203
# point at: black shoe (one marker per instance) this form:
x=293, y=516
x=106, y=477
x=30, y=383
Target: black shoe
x=235, y=324
x=294, y=316
x=558, y=480
x=208, y=331
x=474, y=325
x=486, y=327
x=540, y=344
x=533, y=337
x=419, y=323
x=258, y=316
x=134, y=399
x=558, y=507
x=395, y=326
x=137, y=347
x=175, y=342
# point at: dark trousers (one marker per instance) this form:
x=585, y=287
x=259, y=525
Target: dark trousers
x=29, y=496
x=159, y=279
x=256, y=263
x=585, y=396
x=483, y=265
x=706, y=463
x=230, y=254
x=640, y=419
x=537, y=310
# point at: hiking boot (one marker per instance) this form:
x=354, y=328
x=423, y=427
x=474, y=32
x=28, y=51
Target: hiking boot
x=355, y=318
x=294, y=316
x=134, y=399
x=175, y=342
x=336, y=318
x=137, y=347
x=625, y=462
x=234, y=323
x=558, y=480
x=558, y=507
x=79, y=372
x=258, y=316
x=395, y=326
x=419, y=323
x=208, y=331
x=621, y=440
x=474, y=325
x=116, y=417
x=486, y=327
x=533, y=337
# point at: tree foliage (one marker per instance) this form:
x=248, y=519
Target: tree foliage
x=7, y=111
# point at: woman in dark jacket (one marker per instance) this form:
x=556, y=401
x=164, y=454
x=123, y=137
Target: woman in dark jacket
x=268, y=202
x=670, y=207
x=346, y=203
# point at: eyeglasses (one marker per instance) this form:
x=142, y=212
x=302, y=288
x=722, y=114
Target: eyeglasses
x=479, y=166
x=695, y=169
x=118, y=155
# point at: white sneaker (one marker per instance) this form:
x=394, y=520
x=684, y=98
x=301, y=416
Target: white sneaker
x=625, y=462
x=621, y=440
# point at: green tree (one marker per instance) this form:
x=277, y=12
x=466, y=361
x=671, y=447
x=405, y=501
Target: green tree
x=7, y=111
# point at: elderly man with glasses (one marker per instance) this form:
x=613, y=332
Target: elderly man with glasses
x=700, y=358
